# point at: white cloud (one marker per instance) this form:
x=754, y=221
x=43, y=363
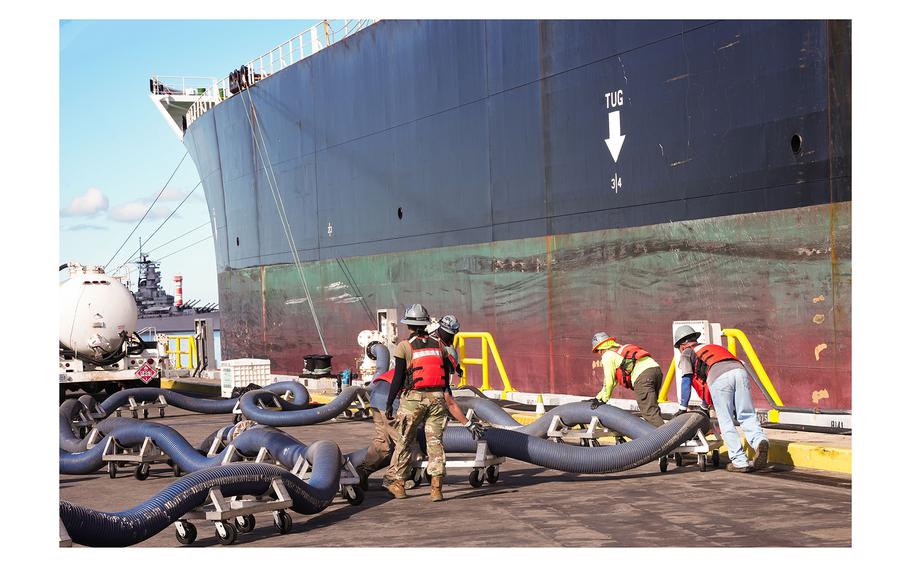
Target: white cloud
x=170, y=194
x=85, y=227
x=134, y=210
x=91, y=202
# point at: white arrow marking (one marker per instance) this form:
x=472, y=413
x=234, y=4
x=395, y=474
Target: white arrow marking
x=614, y=142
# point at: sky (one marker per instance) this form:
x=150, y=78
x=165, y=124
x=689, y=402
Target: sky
x=117, y=151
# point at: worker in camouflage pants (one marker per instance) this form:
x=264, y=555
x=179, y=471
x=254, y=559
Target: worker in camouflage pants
x=422, y=372
x=416, y=407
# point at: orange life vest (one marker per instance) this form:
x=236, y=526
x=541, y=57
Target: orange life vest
x=630, y=354
x=427, y=370
x=706, y=355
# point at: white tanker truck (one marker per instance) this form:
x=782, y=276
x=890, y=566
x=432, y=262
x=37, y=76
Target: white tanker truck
x=99, y=346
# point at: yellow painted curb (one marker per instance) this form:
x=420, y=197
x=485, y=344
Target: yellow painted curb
x=811, y=456
x=178, y=385
x=321, y=398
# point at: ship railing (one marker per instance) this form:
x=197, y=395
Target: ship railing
x=766, y=386
x=150, y=329
x=487, y=347
x=299, y=47
x=183, y=86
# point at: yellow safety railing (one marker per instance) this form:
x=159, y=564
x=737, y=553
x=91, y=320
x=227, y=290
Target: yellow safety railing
x=733, y=335
x=668, y=379
x=179, y=352
x=487, y=346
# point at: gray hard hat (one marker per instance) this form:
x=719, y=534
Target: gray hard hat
x=416, y=314
x=449, y=324
x=602, y=339
x=684, y=332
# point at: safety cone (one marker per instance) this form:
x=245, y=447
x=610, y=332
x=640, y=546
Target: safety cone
x=539, y=409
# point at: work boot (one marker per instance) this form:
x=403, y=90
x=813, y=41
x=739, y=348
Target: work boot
x=396, y=488
x=761, y=455
x=364, y=476
x=436, y=488
x=737, y=469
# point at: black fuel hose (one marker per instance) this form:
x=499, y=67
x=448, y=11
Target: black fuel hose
x=94, y=528
x=289, y=415
x=579, y=459
x=571, y=414
x=203, y=405
x=71, y=408
x=132, y=433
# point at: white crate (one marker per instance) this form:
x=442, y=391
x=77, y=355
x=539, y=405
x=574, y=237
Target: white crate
x=241, y=372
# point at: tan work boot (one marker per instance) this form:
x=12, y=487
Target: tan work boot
x=396, y=488
x=436, y=488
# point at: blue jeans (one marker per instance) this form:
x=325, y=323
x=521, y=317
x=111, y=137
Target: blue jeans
x=732, y=397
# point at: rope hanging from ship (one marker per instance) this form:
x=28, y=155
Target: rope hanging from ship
x=279, y=202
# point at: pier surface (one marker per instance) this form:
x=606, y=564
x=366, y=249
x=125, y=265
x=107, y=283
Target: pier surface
x=529, y=506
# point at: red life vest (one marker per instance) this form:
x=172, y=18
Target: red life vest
x=707, y=355
x=387, y=376
x=447, y=353
x=630, y=355
x=427, y=370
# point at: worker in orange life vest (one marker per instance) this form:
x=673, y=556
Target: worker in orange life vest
x=422, y=373
x=632, y=367
x=725, y=383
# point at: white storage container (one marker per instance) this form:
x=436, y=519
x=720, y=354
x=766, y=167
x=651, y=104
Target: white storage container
x=242, y=372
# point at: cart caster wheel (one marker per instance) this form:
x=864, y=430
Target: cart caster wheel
x=364, y=481
x=595, y=444
x=347, y=414
x=112, y=469
x=663, y=463
x=236, y=418
x=245, y=523
x=353, y=494
x=474, y=478
x=702, y=462
x=119, y=414
x=492, y=474
x=177, y=471
x=282, y=522
x=145, y=413
x=715, y=458
x=142, y=472
x=161, y=412
x=225, y=532
x=135, y=414
x=188, y=535
x=679, y=459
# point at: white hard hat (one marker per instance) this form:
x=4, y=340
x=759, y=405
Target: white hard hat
x=416, y=314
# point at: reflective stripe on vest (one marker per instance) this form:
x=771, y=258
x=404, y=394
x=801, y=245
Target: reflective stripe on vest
x=427, y=370
x=630, y=354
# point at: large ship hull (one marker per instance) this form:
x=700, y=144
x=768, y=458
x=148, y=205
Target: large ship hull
x=473, y=167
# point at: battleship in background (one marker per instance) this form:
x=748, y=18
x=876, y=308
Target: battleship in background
x=542, y=180
x=160, y=311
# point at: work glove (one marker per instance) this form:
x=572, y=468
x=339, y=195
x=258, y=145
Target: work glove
x=476, y=429
x=389, y=414
x=595, y=403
